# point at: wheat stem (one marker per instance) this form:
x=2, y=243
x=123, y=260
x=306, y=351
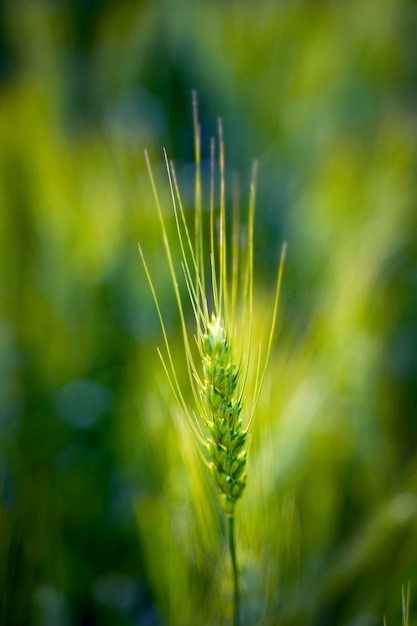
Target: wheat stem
x=236, y=588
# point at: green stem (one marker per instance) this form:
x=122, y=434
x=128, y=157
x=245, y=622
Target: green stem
x=236, y=594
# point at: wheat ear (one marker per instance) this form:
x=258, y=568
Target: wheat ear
x=226, y=441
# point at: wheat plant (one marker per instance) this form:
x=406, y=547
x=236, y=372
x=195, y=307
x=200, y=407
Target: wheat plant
x=405, y=602
x=219, y=362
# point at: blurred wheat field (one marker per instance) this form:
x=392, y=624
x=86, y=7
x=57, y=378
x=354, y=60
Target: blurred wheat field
x=107, y=515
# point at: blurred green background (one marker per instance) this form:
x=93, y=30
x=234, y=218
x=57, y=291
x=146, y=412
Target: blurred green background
x=106, y=514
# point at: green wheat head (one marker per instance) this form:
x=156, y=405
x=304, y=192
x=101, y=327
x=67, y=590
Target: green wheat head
x=222, y=302
x=226, y=440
